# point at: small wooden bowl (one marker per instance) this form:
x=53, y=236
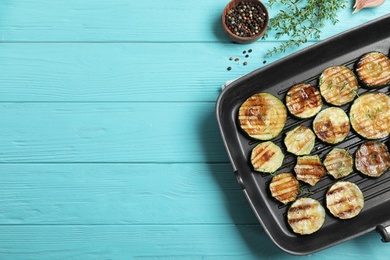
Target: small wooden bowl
x=240, y=39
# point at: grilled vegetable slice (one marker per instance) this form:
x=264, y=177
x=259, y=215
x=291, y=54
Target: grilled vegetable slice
x=300, y=140
x=309, y=169
x=284, y=187
x=344, y=200
x=339, y=163
x=338, y=85
x=267, y=157
x=370, y=115
x=372, y=158
x=331, y=125
x=373, y=69
x=303, y=100
x=262, y=116
x=306, y=216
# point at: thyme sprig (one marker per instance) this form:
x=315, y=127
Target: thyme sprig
x=303, y=192
x=301, y=20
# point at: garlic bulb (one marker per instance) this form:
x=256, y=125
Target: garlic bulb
x=360, y=4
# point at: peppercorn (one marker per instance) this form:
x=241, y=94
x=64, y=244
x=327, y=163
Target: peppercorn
x=250, y=50
x=229, y=68
x=245, y=63
x=246, y=19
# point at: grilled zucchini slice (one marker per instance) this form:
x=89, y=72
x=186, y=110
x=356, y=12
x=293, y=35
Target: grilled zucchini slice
x=339, y=163
x=344, y=200
x=262, y=116
x=373, y=69
x=309, y=169
x=372, y=158
x=300, y=140
x=331, y=125
x=338, y=85
x=370, y=115
x=284, y=187
x=267, y=157
x=303, y=101
x=306, y=216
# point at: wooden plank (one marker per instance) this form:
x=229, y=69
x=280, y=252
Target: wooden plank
x=111, y=194
x=123, y=20
x=163, y=241
x=122, y=72
x=110, y=132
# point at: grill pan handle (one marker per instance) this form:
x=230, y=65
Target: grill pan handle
x=384, y=231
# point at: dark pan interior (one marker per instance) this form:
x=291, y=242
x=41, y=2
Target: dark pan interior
x=305, y=66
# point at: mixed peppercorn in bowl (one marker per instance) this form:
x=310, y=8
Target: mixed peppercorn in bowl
x=245, y=21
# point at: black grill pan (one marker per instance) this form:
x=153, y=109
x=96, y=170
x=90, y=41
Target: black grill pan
x=276, y=78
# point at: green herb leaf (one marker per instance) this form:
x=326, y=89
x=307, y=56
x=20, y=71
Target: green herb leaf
x=301, y=20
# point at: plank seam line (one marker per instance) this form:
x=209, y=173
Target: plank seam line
x=94, y=163
x=107, y=102
x=136, y=224
x=136, y=42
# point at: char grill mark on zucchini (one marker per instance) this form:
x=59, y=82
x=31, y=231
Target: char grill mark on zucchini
x=373, y=69
x=303, y=100
x=300, y=140
x=331, y=125
x=267, y=157
x=344, y=200
x=262, y=116
x=372, y=158
x=309, y=169
x=339, y=163
x=284, y=187
x=338, y=85
x=306, y=216
x=370, y=115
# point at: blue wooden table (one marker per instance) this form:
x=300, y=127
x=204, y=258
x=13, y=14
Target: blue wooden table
x=109, y=147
